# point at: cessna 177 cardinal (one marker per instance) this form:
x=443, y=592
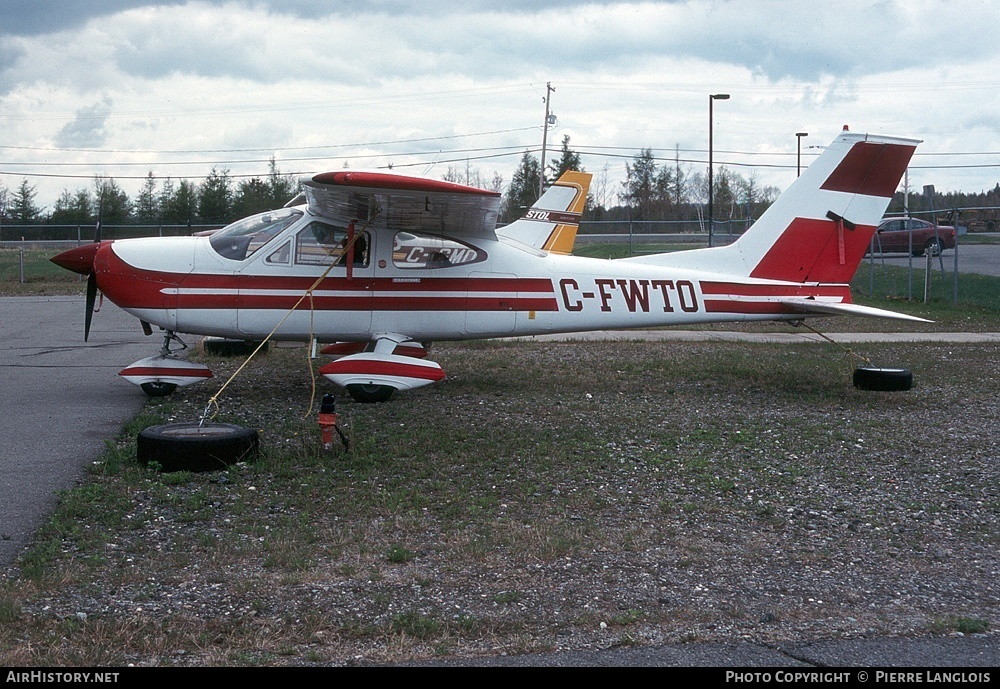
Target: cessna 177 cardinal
x=391, y=263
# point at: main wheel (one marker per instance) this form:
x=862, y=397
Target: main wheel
x=158, y=388
x=225, y=347
x=367, y=394
x=883, y=379
x=194, y=447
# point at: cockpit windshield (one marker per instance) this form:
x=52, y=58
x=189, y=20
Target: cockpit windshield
x=241, y=239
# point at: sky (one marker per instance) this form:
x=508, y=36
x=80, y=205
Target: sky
x=124, y=88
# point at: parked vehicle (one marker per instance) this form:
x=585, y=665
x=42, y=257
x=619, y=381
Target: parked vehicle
x=906, y=235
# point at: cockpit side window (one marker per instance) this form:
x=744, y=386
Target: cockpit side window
x=244, y=237
x=321, y=244
x=280, y=255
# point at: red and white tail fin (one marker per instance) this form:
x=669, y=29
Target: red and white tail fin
x=818, y=230
x=551, y=223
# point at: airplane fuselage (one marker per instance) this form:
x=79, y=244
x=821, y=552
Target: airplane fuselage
x=493, y=289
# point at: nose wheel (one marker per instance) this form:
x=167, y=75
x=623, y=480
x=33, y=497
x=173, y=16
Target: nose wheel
x=158, y=388
x=161, y=375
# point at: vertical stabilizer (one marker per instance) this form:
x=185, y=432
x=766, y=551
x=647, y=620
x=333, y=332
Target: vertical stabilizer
x=819, y=229
x=551, y=223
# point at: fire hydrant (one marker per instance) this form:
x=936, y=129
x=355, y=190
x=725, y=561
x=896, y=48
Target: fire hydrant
x=328, y=423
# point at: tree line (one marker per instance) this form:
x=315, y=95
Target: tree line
x=653, y=189
x=218, y=199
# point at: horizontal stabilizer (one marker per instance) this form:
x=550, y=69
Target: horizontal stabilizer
x=812, y=307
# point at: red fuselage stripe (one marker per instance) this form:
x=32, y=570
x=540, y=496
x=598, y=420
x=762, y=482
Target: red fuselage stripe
x=751, y=290
x=131, y=287
x=754, y=307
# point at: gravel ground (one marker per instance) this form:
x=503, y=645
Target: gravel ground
x=545, y=496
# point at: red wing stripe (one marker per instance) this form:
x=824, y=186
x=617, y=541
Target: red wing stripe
x=160, y=371
x=371, y=367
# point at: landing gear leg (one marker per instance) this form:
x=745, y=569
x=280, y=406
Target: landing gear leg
x=168, y=337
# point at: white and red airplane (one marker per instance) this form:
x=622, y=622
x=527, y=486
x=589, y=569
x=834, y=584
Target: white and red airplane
x=382, y=264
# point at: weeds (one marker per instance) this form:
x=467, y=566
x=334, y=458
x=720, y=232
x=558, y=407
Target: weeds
x=514, y=507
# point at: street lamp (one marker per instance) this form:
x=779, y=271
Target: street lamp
x=711, y=191
x=798, y=155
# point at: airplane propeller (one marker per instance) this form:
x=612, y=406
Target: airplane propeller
x=91, y=301
x=81, y=260
x=91, y=287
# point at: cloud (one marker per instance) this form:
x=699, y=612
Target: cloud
x=209, y=76
x=35, y=17
x=87, y=129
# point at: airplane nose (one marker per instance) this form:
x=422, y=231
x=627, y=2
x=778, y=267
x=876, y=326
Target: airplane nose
x=79, y=259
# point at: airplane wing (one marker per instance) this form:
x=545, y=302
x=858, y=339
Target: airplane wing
x=400, y=203
x=810, y=306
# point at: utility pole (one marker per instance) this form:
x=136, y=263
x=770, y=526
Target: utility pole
x=711, y=189
x=549, y=119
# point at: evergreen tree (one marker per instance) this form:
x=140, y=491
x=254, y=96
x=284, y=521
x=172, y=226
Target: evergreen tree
x=113, y=206
x=282, y=187
x=568, y=160
x=253, y=196
x=147, y=204
x=215, y=200
x=640, y=184
x=165, y=199
x=22, y=204
x=73, y=208
x=523, y=189
x=178, y=207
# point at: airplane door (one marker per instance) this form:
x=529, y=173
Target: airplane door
x=341, y=305
x=490, y=302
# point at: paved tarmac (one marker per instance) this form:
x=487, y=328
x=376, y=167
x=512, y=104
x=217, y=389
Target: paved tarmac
x=62, y=400
x=972, y=258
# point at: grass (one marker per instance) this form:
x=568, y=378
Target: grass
x=964, y=625
x=524, y=495
x=40, y=275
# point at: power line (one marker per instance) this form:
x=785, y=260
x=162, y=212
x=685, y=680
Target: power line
x=387, y=166
x=272, y=148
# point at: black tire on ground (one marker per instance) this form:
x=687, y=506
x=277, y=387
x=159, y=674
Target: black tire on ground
x=158, y=389
x=222, y=347
x=368, y=394
x=883, y=379
x=190, y=447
